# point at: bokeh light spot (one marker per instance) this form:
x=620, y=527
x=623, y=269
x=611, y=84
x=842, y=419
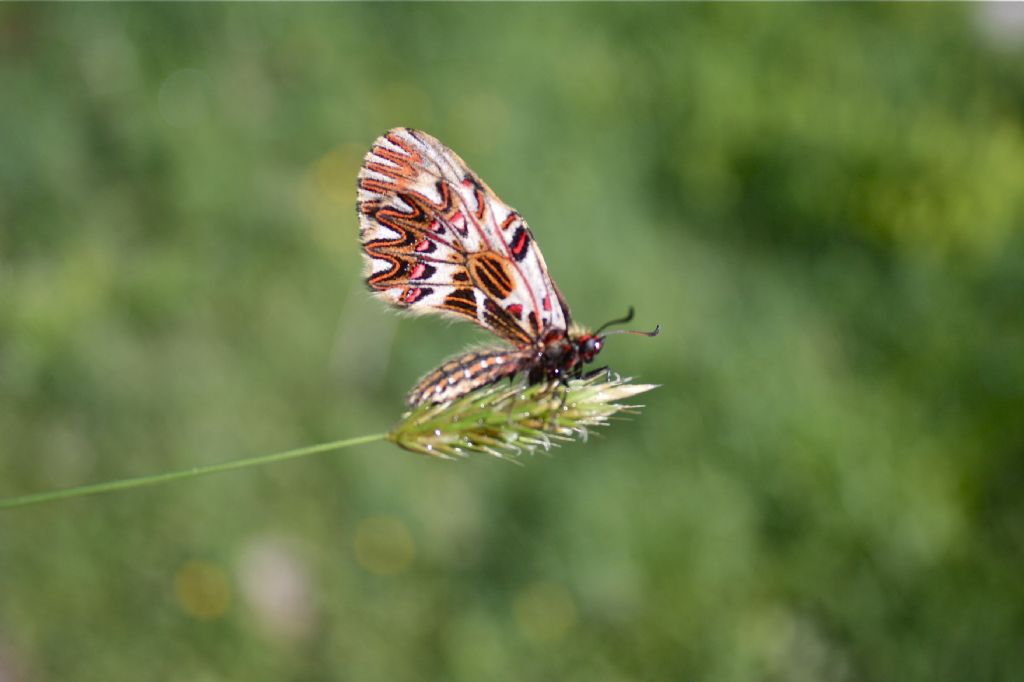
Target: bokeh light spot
x=276, y=585
x=384, y=545
x=332, y=197
x=544, y=612
x=202, y=590
x=334, y=173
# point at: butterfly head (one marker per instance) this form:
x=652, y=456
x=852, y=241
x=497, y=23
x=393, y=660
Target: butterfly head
x=588, y=346
x=569, y=352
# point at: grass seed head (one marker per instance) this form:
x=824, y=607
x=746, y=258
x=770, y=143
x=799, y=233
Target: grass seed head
x=506, y=420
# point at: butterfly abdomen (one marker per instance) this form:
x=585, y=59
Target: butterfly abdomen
x=466, y=373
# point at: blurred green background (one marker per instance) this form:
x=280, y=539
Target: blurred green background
x=823, y=206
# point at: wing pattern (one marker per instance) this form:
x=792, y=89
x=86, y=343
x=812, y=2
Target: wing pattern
x=438, y=240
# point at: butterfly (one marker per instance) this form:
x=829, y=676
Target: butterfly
x=437, y=240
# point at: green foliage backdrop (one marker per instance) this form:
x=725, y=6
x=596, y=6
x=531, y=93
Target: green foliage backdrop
x=823, y=206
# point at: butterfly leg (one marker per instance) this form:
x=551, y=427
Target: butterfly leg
x=577, y=373
x=560, y=383
x=595, y=372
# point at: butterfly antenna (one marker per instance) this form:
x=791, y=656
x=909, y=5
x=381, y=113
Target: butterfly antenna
x=655, y=332
x=627, y=318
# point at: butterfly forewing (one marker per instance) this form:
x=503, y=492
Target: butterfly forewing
x=437, y=239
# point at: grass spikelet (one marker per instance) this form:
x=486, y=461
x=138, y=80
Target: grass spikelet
x=503, y=420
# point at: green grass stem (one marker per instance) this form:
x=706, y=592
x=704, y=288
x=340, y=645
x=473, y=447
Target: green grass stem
x=141, y=481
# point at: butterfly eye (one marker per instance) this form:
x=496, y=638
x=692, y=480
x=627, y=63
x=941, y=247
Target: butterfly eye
x=590, y=347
